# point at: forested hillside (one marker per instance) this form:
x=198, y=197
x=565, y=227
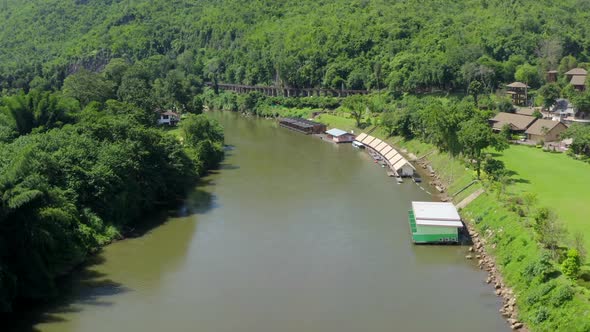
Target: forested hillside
x=407, y=45
x=81, y=156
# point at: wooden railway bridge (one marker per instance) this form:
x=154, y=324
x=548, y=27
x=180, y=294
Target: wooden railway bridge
x=288, y=92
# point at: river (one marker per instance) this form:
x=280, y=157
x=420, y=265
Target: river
x=291, y=234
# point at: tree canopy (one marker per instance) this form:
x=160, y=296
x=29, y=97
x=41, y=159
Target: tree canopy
x=403, y=46
x=80, y=165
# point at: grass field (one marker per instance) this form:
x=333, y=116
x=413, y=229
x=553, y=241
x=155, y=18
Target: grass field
x=334, y=121
x=561, y=183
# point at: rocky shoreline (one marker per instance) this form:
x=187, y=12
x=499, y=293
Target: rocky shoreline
x=477, y=251
x=487, y=262
x=434, y=180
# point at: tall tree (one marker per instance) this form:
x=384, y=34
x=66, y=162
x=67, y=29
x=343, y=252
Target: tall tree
x=356, y=106
x=475, y=89
x=475, y=136
x=550, y=93
x=527, y=74
x=86, y=86
x=36, y=110
x=580, y=135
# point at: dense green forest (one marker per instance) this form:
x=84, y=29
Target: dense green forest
x=404, y=46
x=81, y=158
x=80, y=165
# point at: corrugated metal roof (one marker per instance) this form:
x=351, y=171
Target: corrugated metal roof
x=381, y=146
x=403, y=162
x=301, y=122
x=393, y=160
x=375, y=143
x=368, y=140
x=391, y=154
x=336, y=132
x=436, y=211
x=386, y=150
x=439, y=223
x=361, y=137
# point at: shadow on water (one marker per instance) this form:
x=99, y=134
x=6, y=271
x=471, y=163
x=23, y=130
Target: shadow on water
x=85, y=286
x=198, y=201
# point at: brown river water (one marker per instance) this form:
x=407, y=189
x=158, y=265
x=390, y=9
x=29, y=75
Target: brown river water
x=291, y=234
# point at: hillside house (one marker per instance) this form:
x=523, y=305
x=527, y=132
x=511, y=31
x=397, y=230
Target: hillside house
x=168, y=118
x=577, y=78
x=517, y=91
x=552, y=76
x=562, y=109
x=544, y=130
x=518, y=123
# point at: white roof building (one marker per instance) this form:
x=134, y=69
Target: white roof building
x=337, y=132
x=436, y=214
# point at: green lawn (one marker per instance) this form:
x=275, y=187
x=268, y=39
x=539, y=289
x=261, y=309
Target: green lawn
x=561, y=183
x=334, y=121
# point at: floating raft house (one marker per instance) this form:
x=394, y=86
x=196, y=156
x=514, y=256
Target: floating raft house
x=398, y=164
x=303, y=126
x=339, y=136
x=434, y=222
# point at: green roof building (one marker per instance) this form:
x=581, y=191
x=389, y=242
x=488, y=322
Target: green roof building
x=434, y=222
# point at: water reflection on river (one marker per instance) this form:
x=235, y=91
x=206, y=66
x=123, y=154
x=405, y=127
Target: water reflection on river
x=292, y=234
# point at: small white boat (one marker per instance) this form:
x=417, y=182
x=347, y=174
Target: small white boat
x=358, y=145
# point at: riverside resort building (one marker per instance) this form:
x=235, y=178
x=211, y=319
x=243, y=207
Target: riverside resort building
x=434, y=222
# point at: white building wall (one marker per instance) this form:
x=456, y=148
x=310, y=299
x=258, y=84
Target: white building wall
x=406, y=170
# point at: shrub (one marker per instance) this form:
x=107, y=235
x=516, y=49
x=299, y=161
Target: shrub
x=542, y=268
x=561, y=295
x=571, y=265
x=541, y=315
x=506, y=260
x=538, y=294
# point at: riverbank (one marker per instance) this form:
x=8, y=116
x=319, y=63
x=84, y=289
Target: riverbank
x=75, y=196
x=457, y=183
x=505, y=248
x=533, y=290
x=299, y=244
